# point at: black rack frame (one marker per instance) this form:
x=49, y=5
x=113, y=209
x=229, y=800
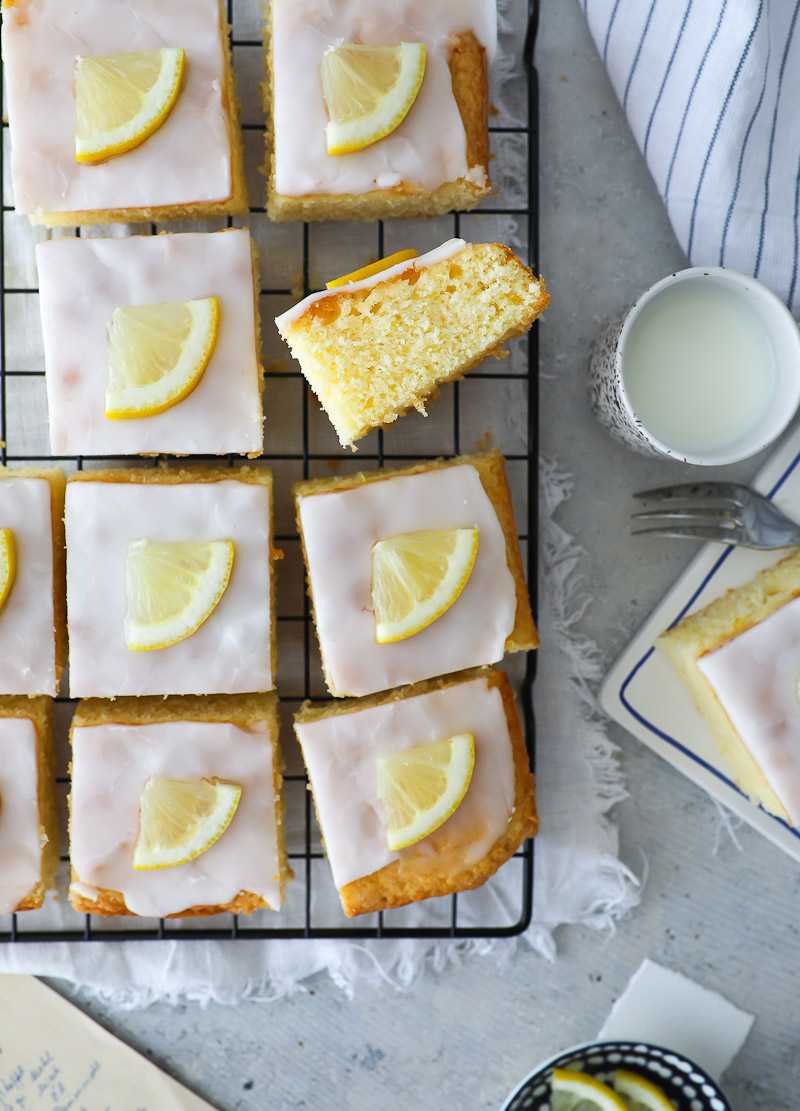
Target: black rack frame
x=168, y=929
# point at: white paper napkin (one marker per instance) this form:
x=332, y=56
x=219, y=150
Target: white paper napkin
x=711, y=89
x=665, y=1008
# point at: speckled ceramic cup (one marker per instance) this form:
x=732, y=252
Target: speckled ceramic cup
x=684, y=1083
x=609, y=395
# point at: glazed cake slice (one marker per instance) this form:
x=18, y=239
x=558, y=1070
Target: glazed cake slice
x=738, y=657
x=191, y=166
x=28, y=820
x=341, y=744
x=233, y=650
x=376, y=348
x=118, y=746
x=438, y=157
x=82, y=281
x=33, y=637
x=341, y=519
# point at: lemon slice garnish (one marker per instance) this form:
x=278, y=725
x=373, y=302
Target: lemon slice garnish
x=120, y=99
x=416, y=576
x=373, y=268
x=640, y=1093
x=577, y=1091
x=8, y=564
x=157, y=355
x=368, y=91
x=421, y=787
x=172, y=589
x=180, y=819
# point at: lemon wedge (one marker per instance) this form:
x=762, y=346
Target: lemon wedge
x=416, y=576
x=172, y=589
x=180, y=819
x=369, y=91
x=121, y=99
x=157, y=355
x=8, y=564
x=373, y=268
x=640, y=1093
x=421, y=787
x=577, y=1091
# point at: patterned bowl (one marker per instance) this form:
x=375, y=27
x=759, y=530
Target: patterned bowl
x=688, y=1085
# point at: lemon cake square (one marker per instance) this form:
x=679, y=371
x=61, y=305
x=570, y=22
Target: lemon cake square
x=28, y=821
x=377, y=347
x=176, y=808
x=183, y=156
x=431, y=159
x=738, y=657
x=33, y=638
x=200, y=290
x=413, y=573
x=344, y=746
x=170, y=581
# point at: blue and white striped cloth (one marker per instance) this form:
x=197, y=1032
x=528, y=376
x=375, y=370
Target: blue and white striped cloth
x=711, y=89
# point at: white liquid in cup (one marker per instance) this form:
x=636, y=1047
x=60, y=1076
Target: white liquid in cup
x=699, y=368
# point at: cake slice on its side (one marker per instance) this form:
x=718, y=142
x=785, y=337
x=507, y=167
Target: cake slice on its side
x=341, y=744
x=28, y=821
x=119, y=746
x=376, y=348
x=738, y=657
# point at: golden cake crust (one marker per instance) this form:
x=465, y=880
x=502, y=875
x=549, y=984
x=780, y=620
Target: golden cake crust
x=240, y=710
x=719, y=622
x=409, y=880
x=39, y=710
x=491, y=468
x=471, y=92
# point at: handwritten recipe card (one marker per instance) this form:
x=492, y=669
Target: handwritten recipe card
x=53, y=1056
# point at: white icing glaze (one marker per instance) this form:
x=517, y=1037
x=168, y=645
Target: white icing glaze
x=427, y=149
x=756, y=677
x=186, y=160
x=20, y=828
x=230, y=652
x=110, y=767
x=27, y=629
x=340, y=754
x=339, y=531
x=438, y=254
x=82, y=281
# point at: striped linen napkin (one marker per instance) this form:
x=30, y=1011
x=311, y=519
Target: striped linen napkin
x=711, y=89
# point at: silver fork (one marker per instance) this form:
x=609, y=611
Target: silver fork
x=723, y=511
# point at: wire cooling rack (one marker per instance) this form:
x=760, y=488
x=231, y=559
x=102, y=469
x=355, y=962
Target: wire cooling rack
x=495, y=404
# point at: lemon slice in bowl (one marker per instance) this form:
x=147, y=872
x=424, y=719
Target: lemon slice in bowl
x=368, y=91
x=577, y=1091
x=157, y=355
x=172, y=588
x=421, y=787
x=639, y=1093
x=121, y=99
x=8, y=564
x=373, y=268
x=180, y=819
x=416, y=576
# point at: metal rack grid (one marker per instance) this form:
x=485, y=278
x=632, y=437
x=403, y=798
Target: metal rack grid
x=306, y=854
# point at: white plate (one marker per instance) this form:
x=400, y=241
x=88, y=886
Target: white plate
x=643, y=692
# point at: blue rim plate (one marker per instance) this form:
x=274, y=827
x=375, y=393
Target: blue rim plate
x=683, y=1081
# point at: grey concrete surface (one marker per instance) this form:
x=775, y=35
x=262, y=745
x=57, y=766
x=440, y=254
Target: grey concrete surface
x=464, y=1036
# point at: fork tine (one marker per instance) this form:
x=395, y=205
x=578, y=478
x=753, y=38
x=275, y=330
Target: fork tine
x=732, y=490
x=691, y=532
x=689, y=513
